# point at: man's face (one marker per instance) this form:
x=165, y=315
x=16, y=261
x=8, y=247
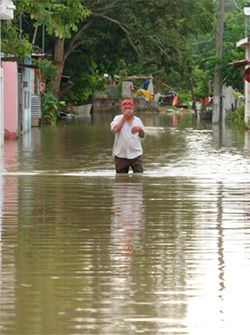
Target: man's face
x=127, y=111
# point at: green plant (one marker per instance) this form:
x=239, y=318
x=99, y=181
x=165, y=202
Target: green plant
x=50, y=108
x=49, y=73
x=13, y=43
x=50, y=103
x=236, y=118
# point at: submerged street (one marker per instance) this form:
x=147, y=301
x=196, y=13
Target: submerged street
x=86, y=252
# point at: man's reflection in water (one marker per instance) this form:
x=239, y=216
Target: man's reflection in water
x=127, y=227
x=127, y=214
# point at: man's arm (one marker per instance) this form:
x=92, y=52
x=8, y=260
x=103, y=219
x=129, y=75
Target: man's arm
x=141, y=133
x=118, y=126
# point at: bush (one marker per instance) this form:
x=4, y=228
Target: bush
x=50, y=108
x=50, y=103
x=236, y=118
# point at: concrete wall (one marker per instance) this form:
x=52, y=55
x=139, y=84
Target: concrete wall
x=114, y=105
x=10, y=100
x=26, y=96
x=228, y=98
x=1, y=109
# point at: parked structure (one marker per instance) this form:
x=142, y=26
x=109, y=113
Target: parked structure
x=29, y=94
x=21, y=96
x=10, y=99
x=20, y=101
x=110, y=100
x=6, y=13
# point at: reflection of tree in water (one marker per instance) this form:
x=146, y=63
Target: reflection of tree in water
x=127, y=214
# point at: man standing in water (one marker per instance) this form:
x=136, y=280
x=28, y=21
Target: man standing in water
x=129, y=130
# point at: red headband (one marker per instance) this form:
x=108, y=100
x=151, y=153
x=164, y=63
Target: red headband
x=127, y=102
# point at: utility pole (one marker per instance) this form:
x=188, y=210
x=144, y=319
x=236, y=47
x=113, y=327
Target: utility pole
x=217, y=97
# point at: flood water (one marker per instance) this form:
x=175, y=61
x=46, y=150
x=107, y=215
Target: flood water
x=86, y=252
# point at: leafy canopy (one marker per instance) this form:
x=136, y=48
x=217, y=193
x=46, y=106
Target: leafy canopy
x=61, y=18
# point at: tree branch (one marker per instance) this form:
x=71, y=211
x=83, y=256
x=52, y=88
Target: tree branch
x=122, y=26
x=75, y=41
x=114, y=4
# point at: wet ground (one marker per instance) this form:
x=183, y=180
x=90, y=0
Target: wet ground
x=83, y=251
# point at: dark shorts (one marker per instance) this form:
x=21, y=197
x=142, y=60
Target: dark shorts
x=122, y=165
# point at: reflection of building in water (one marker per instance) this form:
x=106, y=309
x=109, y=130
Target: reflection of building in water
x=127, y=214
x=174, y=120
x=1, y=205
x=150, y=119
x=8, y=223
x=100, y=118
x=10, y=155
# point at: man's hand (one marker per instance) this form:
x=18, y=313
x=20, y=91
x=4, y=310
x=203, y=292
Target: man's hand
x=137, y=129
x=127, y=114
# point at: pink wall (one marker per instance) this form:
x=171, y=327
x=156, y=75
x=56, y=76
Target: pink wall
x=10, y=74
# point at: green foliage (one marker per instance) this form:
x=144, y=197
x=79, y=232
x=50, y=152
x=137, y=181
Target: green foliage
x=50, y=108
x=50, y=103
x=204, y=51
x=157, y=46
x=237, y=95
x=175, y=43
x=201, y=79
x=233, y=32
x=49, y=73
x=236, y=118
x=59, y=17
x=12, y=44
x=86, y=81
x=184, y=97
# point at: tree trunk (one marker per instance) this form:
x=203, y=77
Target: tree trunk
x=217, y=96
x=59, y=62
x=193, y=97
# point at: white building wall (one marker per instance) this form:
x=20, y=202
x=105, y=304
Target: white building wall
x=1, y=109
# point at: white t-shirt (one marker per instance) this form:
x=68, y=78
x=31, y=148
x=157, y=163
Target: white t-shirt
x=126, y=144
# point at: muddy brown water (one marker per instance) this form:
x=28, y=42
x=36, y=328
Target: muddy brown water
x=86, y=252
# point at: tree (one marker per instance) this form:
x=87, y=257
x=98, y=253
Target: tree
x=61, y=19
x=158, y=43
x=219, y=51
x=204, y=56
x=12, y=42
x=233, y=32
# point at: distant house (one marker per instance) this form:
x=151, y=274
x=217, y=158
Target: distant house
x=7, y=8
x=29, y=95
x=143, y=97
x=21, y=97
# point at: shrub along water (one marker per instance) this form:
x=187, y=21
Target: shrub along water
x=50, y=102
x=236, y=118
